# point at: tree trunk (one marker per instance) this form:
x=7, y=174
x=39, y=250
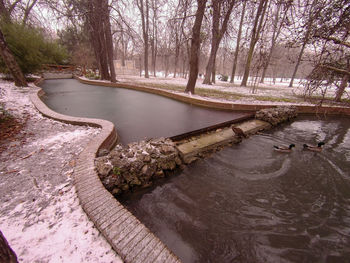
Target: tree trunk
x=255, y=36
x=140, y=65
x=234, y=66
x=145, y=31
x=214, y=42
x=177, y=53
x=28, y=8
x=11, y=63
x=97, y=36
x=6, y=253
x=195, y=46
x=275, y=35
x=297, y=65
x=344, y=83
x=217, y=35
x=109, y=40
x=306, y=40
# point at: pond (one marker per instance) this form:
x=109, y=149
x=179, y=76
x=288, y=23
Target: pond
x=249, y=203
x=137, y=115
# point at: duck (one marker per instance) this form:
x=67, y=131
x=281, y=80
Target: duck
x=239, y=132
x=284, y=149
x=313, y=148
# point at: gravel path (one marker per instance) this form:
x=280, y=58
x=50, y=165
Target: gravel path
x=40, y=213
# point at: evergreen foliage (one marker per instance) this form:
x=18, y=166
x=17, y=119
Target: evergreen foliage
x=31, y=48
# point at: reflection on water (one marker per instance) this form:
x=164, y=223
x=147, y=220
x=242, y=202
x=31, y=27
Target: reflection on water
x=248, y=203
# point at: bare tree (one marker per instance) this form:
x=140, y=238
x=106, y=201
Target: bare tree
x=177, y=28
x=108, y=38
x=277, y=24
x=143, y=6
x=311, y=10
x=98, y=19
x=155, y=5
x=28, y=8
x=195, y=45
x=239, y=35
x=218, y=6
x=258, y=23
x=332, y=65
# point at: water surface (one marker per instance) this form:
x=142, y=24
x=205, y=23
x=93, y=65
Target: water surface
x=248, y=203
x=136, y=115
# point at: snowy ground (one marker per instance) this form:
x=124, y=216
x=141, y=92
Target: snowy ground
x=40, y=213
x=269, y=89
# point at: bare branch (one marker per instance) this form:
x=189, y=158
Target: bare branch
x=338, y=70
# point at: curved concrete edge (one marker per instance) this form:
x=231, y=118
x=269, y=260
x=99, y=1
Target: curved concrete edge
x=219, y=105
x=132, y=241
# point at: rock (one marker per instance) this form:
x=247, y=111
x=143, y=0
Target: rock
x=103, y=166
x=137, y=164
x=136, y=181
x=277, y=115
x=189, y=160
x=167, y=165
x=152, y=151
x=159, y=174
x=148, y=184
x=102, y=152
x=125, y=187
x=116, y=191
x=146, y=158
x=145, y=170
x=178, y=161
x=165, y=149
x=128, y=177
x=157, y=142
x=130, y=154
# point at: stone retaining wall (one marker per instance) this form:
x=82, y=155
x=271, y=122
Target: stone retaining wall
x=277, y=115
x=55, y=75
x=137, y=165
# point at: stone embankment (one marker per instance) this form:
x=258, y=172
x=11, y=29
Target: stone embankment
x=137, y=164
x=277, y=115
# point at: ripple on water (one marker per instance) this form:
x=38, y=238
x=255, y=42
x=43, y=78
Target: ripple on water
x=248, y=203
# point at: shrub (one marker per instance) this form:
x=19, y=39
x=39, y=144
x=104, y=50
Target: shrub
x=223, y=78
x=91, y=75
x=30, y=48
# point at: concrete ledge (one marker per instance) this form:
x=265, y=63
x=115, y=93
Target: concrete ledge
x=124, y=232
x=189, y=151
x=52, y=75
x=218, y=105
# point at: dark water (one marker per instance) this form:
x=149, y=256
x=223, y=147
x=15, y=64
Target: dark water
x=136, y=115
x=248, y=203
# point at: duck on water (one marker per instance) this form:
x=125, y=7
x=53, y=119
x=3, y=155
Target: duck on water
x=284, y=149
x=314, y=148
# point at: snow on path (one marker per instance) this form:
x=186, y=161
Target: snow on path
x=40, y=213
